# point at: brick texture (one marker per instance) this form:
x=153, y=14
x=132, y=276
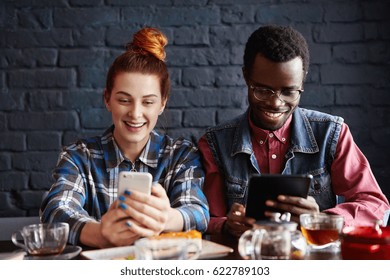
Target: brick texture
x=54, y=55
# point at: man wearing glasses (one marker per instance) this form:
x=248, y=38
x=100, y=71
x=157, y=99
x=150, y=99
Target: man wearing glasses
x=275, y=136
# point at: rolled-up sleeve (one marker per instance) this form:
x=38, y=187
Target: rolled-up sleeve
x=66, y=199
x=185, y=190
x=353, y=179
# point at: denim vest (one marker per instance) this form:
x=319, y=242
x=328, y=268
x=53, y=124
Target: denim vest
x=314, y=137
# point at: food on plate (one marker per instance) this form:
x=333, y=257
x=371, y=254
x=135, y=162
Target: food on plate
x=193, y=235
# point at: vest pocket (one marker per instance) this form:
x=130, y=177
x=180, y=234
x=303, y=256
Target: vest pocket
x=236, y=189
x=321, y=189
x=321, y=182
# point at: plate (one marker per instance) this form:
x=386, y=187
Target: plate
x=69, y=253
x=109, y=254
x=210, y=250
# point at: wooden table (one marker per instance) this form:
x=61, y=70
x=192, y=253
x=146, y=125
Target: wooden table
x=233, y=243
x=226, y=240
x=8, y=246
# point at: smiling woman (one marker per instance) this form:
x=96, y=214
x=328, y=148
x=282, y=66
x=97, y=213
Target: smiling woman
x=135, y=103
x=86, y=177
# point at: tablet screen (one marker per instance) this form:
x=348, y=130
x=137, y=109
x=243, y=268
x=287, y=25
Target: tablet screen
x=264, y=187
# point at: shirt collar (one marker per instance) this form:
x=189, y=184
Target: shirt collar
x=262, y=135
x=113, y=156
x=301, y=139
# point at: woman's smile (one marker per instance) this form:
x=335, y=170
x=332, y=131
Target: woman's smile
x=135, y=103
x=134, y=125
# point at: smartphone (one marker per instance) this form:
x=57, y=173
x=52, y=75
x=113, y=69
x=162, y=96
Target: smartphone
x=137, y=181
x=264, y=187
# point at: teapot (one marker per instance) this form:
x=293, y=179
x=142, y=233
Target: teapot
x=277, y=238
x=365, y=242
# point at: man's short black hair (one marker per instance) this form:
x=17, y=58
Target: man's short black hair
x=276, y=43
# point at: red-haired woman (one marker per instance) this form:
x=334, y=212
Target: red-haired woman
x=84, y=193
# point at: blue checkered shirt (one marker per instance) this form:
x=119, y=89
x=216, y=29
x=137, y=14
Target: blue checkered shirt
x=86, y=180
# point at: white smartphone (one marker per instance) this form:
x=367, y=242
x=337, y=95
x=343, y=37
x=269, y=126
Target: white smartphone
x=137, y=181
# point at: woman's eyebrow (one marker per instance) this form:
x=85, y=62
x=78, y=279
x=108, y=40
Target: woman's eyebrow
x=123, y=92
x=129, y=94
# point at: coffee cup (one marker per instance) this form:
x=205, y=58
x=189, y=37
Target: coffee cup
x=42, y=239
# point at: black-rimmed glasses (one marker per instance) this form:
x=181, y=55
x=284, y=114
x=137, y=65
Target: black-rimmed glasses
x=286, y=95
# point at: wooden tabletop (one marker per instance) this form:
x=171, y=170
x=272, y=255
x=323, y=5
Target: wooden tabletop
x=8, y=246
x=233, y=243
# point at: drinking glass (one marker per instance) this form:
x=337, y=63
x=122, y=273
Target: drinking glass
x=322, y=231
x=43, y=239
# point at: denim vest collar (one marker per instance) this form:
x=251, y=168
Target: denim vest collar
x=302, y=137
x=242, y=137
x=314, y=137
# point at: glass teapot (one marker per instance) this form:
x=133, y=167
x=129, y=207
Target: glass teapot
x=274, y=239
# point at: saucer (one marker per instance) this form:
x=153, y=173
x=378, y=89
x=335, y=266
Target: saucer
x=68, y=253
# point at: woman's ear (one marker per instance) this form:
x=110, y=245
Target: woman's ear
x=162, y=107
x=107, y=100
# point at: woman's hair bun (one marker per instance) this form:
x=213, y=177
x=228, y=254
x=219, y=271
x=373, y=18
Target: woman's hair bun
x=149, y=40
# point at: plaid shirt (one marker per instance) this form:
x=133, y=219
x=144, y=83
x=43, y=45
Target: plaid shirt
x=86, y=180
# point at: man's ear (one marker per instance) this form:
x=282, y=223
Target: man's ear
x=106, y=97
x=244, y=74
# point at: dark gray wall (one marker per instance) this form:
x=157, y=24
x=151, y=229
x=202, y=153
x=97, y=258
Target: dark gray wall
x=54, y=55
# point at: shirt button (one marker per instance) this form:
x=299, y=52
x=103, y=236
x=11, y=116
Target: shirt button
x=283, y=139
x=273, y=156
x=271, y=135
x=261, y=142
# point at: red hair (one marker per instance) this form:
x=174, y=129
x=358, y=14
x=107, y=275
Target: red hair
x=149, y=40
x=145, y=54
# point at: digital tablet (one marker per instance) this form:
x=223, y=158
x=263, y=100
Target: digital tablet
x=264, y=187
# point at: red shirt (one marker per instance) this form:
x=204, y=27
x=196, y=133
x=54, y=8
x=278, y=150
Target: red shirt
x=350, y=172
x=271, y=145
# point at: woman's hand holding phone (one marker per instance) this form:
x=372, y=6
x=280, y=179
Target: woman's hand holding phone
x=117, y=226
x=135, y=214
x=150, y=214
